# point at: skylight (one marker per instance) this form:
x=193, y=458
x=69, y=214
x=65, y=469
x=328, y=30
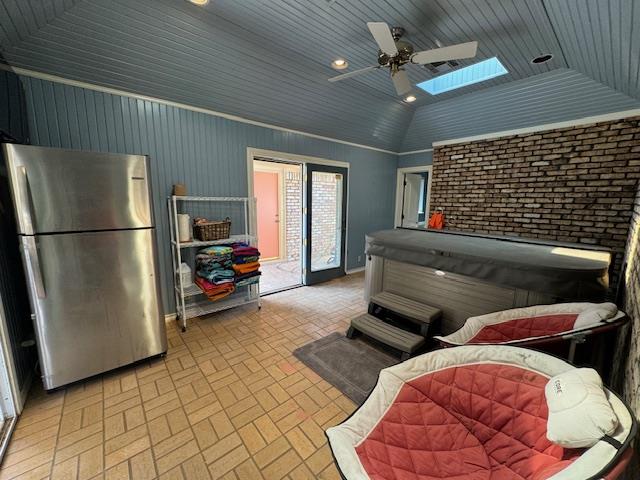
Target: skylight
x=478, y=72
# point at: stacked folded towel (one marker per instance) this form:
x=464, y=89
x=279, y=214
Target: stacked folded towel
x=215, y=292
x=214, y=271
x=245, y=264
x=217, y=253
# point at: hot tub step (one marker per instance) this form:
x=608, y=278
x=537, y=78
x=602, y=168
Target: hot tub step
x=412, y=310
x=395, y=337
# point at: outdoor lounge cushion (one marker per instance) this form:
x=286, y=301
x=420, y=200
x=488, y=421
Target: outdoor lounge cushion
x=472, y=412
x=521, y=325
x=579, y=412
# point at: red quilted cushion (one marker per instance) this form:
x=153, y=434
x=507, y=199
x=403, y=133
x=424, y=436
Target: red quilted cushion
x=473, y=422
x=521, y=328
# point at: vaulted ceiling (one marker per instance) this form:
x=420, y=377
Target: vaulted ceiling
x=269, y=61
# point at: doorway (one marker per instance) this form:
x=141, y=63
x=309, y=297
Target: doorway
x=300, y=219
x=412, y=197
x=326, y=225
x=277, y=187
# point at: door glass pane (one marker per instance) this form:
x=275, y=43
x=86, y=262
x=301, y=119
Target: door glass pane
x=326, y=220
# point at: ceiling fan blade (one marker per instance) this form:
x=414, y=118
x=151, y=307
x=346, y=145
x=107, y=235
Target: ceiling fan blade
x=453, y=52
x=337, y=78
x=401, y=82
x=382, y=35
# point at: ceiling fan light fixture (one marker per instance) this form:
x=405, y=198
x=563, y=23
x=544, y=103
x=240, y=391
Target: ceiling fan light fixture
x=339, y=64
x=394, y=53
x=200, y=3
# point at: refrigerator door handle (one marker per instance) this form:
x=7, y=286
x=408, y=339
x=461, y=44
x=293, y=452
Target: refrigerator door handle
x=33, y=266
x=25, y=201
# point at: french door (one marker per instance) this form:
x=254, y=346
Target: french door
x=325, y=222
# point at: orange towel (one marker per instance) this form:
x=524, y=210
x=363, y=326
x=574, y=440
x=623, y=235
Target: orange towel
x=221, y=293
x=243, y=268
x=436, y=221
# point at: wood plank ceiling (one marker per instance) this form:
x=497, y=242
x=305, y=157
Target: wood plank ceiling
x=269, y=61
x=555, y=96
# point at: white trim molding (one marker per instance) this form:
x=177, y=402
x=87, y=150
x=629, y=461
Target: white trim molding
x=115, y=91
x=424, y=150
x=607, y=117
x=294, y=158
x=397, y=222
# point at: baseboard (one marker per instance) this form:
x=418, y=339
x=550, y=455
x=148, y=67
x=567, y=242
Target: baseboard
x=354, y=270
x=170, y=317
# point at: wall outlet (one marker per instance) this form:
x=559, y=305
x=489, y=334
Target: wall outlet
x=359, y=258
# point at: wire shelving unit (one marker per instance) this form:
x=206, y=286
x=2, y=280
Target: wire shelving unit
x=190, y=301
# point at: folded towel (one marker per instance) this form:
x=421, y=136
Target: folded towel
x=246, y=267
x=209, y=288
x=255, y=273
x=246, y=259
x=213, y=257
x=205, y=257
x=209, y=266
x=248, y=281
x=246, y=251
x=241, y=248
x=216, y=276
x=214, y=250
x=214, y=292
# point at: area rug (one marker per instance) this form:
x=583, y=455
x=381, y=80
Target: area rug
x=352, y=366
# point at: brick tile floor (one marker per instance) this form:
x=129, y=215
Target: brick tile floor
x=229, y=401
x=279, y=275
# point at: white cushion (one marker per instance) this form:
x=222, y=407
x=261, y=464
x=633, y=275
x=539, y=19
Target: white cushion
x=589, y=315
x=597, y=313
x=579, y=412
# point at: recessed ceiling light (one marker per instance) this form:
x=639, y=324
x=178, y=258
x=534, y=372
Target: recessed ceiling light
x=410, y=98
x=199, y=2
x=542, y=58
x=339, y=64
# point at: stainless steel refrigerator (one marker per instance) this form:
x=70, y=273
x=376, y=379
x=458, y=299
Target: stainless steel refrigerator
x=87, y=237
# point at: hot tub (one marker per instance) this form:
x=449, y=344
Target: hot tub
x=467, y=274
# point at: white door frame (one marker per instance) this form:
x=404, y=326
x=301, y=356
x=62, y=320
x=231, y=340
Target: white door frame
x=400, y=190
x=12, y=400
x=300, y=160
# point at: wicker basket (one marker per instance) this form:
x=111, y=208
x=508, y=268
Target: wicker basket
x=212, y=230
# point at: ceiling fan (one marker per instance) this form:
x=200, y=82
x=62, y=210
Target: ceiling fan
x=395, y=53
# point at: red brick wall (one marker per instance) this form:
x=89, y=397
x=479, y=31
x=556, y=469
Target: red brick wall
x=574, y=184
x=293, y=207
x=324, y=212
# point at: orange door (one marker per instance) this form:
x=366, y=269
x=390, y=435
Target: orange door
x=265, y=189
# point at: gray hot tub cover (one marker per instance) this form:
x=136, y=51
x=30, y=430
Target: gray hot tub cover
x=564, y=270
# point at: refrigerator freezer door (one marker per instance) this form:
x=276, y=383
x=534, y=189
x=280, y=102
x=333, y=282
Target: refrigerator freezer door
x=96, y=299
x=56, y=190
